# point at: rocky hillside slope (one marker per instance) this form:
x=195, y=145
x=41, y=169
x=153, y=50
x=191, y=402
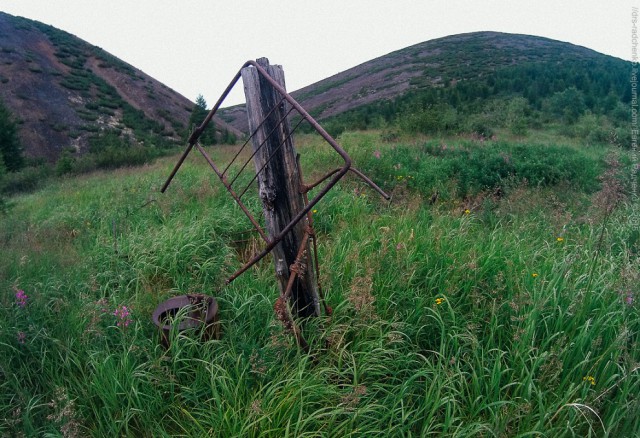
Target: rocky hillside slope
x=62, y=90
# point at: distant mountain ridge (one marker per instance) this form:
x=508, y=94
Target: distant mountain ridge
x=444, y=62
x=64, y=90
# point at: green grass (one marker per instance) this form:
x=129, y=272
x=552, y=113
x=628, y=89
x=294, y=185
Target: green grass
x=440, y=327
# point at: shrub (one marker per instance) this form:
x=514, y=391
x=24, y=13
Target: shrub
x=65, y=164
x=481, y=129
x=468, y=168
x=593, y=129
x=518, y=111
x=10, y=148
x=3, y=171
x=568, y=104
x=433, y=119
x=27, y=179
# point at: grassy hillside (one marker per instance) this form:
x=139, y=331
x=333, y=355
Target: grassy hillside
x=473, y=83
x=73, y=99
x=505, y=305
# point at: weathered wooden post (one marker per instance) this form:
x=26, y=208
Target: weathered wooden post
x=279, y=184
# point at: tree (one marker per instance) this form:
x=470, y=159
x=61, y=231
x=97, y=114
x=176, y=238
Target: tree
x=568, y=104
x=198, y=114
x=3, y=202
x=518, y=111
x=10, y=149
x=201, y=102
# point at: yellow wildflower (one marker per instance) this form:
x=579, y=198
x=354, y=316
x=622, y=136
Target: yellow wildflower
x=467, y=211
x=560, y=239
x=439, y=301
x=534, y=275
x=590, y=379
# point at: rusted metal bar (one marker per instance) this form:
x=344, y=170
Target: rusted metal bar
x=302, y=112
x=312, y=233
x=306, y=188
x=176, y=167
x=333, y=176
x=258, y=149
x=244, y=145
x=233, y=194
x=289, y=227
x=209, y=160
x=270, y=156
x=249, y=139
x=296, y=270
x=373, y=185
x=196, y=134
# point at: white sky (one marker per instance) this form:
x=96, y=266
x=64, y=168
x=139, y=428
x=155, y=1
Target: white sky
x=197, y=46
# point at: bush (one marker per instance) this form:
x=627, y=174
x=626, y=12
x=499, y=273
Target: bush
x=481, y=128
x=27, y=179
x=518, y=112
x=468, y=168
x=3, y=171
x=568, y=105
x=434, y=119
x=10, y=149
x=594, y=129
x=65, y=164
x=113, y=157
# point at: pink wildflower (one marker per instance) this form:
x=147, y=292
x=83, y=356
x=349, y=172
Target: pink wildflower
x=629, y=299
x=21, y=337
x=377, y=154
x=122, y=313
x=21, y=298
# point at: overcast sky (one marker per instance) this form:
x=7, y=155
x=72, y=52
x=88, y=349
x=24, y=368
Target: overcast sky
x=197, y=46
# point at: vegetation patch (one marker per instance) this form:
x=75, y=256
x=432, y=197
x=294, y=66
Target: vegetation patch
x=450, y=318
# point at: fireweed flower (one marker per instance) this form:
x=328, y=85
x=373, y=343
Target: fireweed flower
x=122, y=314
x=629, y=299
x=21, y=298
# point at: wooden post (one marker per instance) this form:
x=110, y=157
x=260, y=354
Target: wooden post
x=279, y=183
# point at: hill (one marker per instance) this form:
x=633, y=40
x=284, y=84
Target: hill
x=65, y=92
x=466, y=72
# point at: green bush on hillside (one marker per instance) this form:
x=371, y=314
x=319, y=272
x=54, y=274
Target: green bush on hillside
x=10, y=148
x=530, y=95
x=468, y=167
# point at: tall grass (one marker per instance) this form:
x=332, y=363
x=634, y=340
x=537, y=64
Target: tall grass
x=480, y=315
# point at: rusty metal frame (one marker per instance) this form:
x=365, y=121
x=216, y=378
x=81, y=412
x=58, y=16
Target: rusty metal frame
x=334, y=176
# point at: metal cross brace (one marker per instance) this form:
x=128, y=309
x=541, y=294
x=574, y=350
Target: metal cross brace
x=333, y=176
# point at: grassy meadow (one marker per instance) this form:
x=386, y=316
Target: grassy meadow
x=496, y=295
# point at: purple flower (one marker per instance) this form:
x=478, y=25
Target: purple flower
x=122, y=313
x=377, y=154
x=629, y=299
x=21, y=298
x=21, y=337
